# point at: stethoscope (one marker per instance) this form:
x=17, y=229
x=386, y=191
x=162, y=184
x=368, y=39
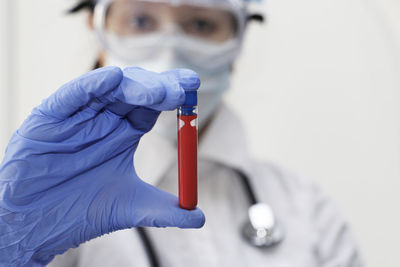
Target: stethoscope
x=261, y=230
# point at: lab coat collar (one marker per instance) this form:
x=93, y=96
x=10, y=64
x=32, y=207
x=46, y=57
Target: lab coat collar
x=223, y=142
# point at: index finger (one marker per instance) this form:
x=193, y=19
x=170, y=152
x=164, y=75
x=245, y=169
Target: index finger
x=156, y=91
x=79, y=92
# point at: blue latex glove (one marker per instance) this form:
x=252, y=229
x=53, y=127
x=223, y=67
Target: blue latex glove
x=68, y=174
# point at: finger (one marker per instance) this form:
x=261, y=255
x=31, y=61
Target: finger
x=179, y=81
x=188, y=79
x=167, y=94
x=142, y=94
x=143, y=119
x=72, y=96
x=158, y=91
x=138, y=87
x=157, y=208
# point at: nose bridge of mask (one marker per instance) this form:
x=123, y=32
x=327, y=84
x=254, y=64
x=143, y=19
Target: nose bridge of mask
x=164, y=56
x=164, y=61
x=135, y=49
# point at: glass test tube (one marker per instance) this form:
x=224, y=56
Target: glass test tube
x=187, y=151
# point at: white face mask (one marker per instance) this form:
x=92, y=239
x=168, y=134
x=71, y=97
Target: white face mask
x=213, y=83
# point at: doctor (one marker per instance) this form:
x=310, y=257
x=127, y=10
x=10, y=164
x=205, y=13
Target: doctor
x=68, y=175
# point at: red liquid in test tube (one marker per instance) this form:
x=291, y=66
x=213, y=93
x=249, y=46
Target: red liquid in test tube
x=187, y=152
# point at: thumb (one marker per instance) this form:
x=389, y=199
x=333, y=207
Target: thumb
x=157, y=208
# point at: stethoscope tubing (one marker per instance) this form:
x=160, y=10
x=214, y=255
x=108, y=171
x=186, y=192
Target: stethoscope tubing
x=147, y=243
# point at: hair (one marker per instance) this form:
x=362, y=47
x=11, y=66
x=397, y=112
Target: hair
x=90, y=4
x=82, y=5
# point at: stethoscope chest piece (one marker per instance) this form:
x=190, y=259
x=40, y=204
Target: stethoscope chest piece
x=262, y=229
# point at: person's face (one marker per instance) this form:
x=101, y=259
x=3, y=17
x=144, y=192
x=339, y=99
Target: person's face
x=200, y=36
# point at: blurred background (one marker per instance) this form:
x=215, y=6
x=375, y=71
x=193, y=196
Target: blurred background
x=328, y=74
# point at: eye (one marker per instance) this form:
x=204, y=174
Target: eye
x=201, y=26
x=143, y=23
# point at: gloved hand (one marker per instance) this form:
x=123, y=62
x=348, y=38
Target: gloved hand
x=68, y=174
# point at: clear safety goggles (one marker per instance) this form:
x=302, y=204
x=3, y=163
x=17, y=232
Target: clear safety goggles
x=205, y=33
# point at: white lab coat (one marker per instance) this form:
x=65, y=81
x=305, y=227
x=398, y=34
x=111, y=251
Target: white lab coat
x=315, y=233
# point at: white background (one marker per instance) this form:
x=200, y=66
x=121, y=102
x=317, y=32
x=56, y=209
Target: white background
x=317, y=87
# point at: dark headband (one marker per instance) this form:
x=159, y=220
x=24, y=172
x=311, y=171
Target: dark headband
x=85, y=4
